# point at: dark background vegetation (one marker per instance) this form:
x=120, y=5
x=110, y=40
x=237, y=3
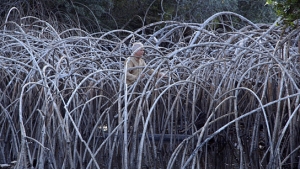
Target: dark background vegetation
x=103, y=15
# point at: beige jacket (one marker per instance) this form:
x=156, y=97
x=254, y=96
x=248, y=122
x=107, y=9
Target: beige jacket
x=133, y=73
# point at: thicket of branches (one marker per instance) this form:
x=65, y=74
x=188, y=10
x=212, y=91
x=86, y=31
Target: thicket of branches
x=230, y=99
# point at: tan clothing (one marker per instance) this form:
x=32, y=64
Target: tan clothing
x=133, y=74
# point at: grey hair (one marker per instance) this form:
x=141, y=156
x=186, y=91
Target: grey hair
x=136, y=46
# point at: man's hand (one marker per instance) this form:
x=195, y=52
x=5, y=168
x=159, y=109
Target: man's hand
x=142, y=75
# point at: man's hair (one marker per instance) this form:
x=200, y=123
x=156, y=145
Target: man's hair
x=136, y=46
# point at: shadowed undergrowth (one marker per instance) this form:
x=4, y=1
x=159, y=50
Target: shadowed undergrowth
x=231, y=94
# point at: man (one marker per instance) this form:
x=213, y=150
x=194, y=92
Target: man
x=136, y=60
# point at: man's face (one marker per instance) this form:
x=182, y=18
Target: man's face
x=140, y=53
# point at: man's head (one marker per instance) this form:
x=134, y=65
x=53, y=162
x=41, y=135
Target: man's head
x=137, y=49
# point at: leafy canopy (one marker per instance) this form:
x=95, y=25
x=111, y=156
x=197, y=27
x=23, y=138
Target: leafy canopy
x=289, y=10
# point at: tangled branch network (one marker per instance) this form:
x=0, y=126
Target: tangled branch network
x=231, y=88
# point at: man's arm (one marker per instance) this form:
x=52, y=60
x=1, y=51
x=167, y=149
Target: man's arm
x=130, y=76
x=151, y=71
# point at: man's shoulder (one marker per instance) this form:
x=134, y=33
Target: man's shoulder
x=130, y=61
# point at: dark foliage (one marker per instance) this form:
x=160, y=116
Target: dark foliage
x=94, y=16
